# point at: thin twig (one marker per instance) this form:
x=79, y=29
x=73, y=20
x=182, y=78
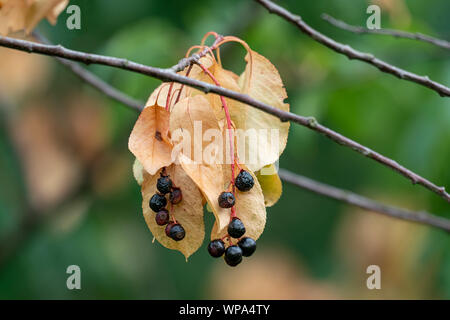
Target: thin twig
x=169, y=75
x=186, y=62
x=363, y=202
x=95, y=81
x=389, y=32
x=351, y=53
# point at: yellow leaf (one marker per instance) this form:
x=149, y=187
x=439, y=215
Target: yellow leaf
x=212, y=178
x=161, y=93
x=149, y=140
x=17, y=15
x=211, y=181
x=270, y=184
x=39, y=9
x=192, y=121
x=208, y=175
x=12, y=16
x=55, y=12
x=227, y=79
x=262, y=82
x=189, y=212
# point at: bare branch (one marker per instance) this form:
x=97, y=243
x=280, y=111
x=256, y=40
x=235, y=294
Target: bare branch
x=170, y=75
x=351, y=53
x=389, y=32
x=95, y=81
x=303, y=182
x=363, y=202
x=186, y=62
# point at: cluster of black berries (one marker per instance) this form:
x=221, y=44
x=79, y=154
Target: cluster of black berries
x=234, y=253
x=158, y=203
x=236, y=229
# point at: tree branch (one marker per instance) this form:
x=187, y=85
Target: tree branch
x=363, y=202
x=389, y=32
x=95, y=81
x=170, y=75
x=303, y=182
x=300, y=181
x=351, y=53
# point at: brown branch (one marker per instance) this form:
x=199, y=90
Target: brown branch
x=363, y=202
x=351, y=53
x=389, y=32
x=170, y=75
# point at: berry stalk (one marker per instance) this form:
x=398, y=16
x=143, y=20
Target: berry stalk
x=230, y=132
x=182, y=86
x=168, y=96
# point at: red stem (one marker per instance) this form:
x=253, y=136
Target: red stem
x=182, y=86
x=168, y=96
x=230, y=132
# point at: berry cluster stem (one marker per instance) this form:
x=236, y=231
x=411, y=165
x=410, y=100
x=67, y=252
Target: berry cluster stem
x=168, y=96
x=182, y=86
x=230, y=132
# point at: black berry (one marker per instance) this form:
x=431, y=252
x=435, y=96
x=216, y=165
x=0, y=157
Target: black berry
x=248, y=246
x=164, y=184
x=236, y=228
x=233, y=255
x=244, y=181
x=177, y=232
x=157, y=202
x=175, y=196
x=226, y=200
x=162, y=217
x=216, y=248
x=168, y=227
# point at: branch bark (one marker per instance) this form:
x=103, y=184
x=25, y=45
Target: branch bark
x=363, y=202
x=351, y=53
x=388, y=32
x=170, y=75
x=95, y=81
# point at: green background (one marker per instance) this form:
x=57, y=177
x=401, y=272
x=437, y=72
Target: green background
x=323, y=238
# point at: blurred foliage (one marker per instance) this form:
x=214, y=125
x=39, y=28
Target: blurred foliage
x=322, y=245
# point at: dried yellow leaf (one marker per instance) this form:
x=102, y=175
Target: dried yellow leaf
x=149, y=140
x=262, y=82
x=17, y=15
x=186, y=116
x=270, y=184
